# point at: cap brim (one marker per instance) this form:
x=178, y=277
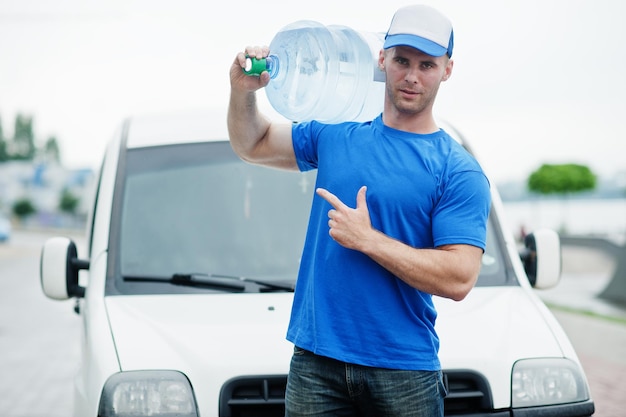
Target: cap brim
x=428, y=47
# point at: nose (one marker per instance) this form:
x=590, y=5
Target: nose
x=412, y=75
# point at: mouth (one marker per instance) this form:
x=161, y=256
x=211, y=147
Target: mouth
x=409, y=93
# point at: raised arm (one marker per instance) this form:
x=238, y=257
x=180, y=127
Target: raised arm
x=252, y=135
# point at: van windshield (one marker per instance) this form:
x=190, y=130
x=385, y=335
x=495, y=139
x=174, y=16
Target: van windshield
x=198, y=209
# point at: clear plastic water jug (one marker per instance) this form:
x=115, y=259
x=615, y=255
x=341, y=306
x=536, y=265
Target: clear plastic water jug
x=326, y=73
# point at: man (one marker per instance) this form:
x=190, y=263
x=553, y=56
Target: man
x=400, y=215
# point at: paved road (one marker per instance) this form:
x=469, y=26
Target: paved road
x=601, y=348
x=39, y=338
x=599, y=338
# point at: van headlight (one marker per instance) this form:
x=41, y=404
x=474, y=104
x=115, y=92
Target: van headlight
x=147, y=393
x=547, y=381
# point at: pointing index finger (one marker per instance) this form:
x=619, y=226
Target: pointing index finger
x=330, y=197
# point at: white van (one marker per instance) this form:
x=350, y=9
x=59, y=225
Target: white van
x=186, y=282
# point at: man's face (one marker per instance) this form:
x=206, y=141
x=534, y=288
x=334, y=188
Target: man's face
x=413, y=77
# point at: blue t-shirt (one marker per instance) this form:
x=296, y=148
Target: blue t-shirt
x=424, y=190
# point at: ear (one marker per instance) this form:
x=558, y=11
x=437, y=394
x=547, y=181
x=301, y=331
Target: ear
x=381, y=60
x=448, y=71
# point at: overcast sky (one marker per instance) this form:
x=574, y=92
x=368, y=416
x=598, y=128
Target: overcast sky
x=534, y=81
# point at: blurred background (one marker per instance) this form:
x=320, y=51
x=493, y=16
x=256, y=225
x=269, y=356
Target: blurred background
x=538, y=89
x=535, y=83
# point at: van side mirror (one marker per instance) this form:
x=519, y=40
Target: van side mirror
x=59, y=267
x=542, y=258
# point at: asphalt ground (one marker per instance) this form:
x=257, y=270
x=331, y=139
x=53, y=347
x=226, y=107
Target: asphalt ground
x=601, y=347
x=596, y=328
x=39, y=338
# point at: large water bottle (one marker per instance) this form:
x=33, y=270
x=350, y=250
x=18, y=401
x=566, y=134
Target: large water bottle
x=326, y=73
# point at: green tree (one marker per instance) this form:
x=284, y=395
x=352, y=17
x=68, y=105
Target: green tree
x=563, y=179
x=51, y=150
x=23, y=146
x=68, y=202
x=3, y=145
x=23, y=208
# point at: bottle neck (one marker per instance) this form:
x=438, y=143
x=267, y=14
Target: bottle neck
x=255, y=66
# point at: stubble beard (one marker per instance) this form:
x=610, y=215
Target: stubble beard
x=408, y=107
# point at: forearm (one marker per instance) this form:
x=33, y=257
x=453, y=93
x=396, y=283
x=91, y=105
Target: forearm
x=449, y=271
x=246, y=125
x=252, y=136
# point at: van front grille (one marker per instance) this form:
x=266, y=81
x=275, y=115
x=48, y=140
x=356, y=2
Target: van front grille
x=258, y=396
x=468, y=393
x=264, y=396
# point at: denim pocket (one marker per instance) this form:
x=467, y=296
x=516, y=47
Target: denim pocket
x=443, y=384
x=298, y=351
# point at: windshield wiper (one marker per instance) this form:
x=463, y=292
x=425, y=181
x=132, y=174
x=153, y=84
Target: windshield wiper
x=228, y=282
x=235, y=280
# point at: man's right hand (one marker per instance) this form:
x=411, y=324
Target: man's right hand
x=239, y=80
x=252, y=135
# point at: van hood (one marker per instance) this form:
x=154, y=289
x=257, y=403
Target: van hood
x=212, y=331
x=212, y=338
x=473, y=338
x=208, y=337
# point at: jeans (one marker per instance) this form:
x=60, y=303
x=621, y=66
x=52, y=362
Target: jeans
x=320, y=386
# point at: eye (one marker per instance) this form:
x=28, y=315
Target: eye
x=401, y=61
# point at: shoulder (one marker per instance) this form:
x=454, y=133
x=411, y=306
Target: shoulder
x=459, y=158
x=313, y=126
x=317, y=132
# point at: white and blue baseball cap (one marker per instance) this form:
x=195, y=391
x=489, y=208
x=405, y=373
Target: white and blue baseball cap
x=423, y=28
